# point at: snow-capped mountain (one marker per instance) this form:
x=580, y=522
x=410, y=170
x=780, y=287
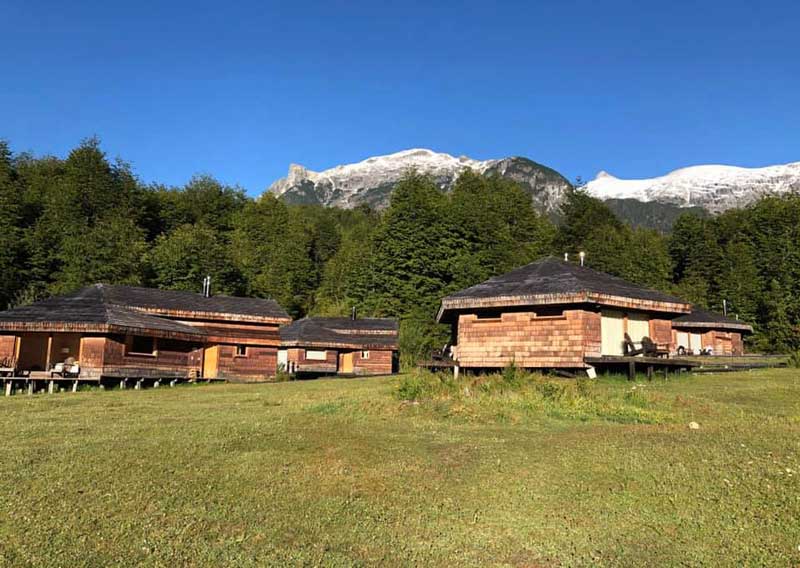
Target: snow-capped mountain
x=371, y=181
x=714, y=188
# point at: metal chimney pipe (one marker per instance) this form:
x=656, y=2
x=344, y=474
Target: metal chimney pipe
x=583, y=256
x=566, y=257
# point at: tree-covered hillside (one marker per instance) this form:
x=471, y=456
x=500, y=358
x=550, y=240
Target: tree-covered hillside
x=84, y=219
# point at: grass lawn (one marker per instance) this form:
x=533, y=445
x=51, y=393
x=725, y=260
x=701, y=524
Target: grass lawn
x=341, y=472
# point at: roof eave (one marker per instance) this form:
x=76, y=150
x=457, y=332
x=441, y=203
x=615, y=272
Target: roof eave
x=713, y=325
x=449, y=304
x=104, y=328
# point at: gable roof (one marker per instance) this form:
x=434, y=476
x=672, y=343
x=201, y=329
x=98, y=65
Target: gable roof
x=710, y=320
x=361, y=333
x=554, y=281
x=128, y=309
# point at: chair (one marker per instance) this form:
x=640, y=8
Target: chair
x=8, y=367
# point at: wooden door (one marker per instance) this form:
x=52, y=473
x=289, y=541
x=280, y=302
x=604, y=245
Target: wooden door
x=210, y=362
x=347, y=362
x=612, y=331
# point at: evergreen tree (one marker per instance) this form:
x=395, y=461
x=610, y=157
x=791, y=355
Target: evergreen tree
x=411, y=266
x=11, y=250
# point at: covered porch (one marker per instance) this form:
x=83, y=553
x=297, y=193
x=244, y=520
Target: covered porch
x=41, y=355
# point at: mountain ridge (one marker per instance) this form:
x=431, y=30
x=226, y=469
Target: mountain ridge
x=650, y=202
x=371, y=181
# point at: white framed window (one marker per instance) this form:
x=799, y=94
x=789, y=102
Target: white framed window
x=241, y=350
x=316, y=355
x=365, y=354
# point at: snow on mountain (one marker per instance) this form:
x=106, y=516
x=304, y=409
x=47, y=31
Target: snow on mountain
x=715, y=188
x=372, y=180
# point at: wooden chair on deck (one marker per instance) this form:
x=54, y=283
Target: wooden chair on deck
x=68, y=369
x=8, y=367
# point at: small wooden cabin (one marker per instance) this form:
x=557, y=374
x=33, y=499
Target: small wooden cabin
x=118, y=332
x=707, y=332
x=553, y=314
x=340, y=346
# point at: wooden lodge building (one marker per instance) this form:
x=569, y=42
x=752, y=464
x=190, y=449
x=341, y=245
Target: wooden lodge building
x=340, y=346
x=702, y=332
x=119, y=332
x=553, y=314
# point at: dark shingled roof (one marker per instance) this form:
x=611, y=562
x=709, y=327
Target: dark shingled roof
x=547, y=279
x=703, y=319
x=155, y=300
x=376, y=333
x=125, y=306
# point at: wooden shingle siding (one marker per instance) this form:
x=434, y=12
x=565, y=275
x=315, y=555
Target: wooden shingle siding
x=8, y=346
x=527, y=341
x=241, y=333
x=378, y=363
x=260, y=363
x=165, y=364
x=661, y=331
x=303, y=365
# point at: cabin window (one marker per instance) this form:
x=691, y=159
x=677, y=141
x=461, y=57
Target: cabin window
x=365, y=354
x=313, y=355
x=142, y=345
x=241, y=350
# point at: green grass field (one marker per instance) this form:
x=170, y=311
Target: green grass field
x=343, y=472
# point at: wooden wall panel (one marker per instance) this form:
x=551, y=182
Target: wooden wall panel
x=661, y=331
x=259, y=364
x=526, y=340
x=8, y=347
x=298, y=361
x=166, y=364
x=379, y=362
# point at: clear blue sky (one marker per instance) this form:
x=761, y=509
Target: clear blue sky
x=241, y=89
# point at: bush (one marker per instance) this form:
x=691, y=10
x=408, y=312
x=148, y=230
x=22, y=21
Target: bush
x=515, y=394
x=794, y=360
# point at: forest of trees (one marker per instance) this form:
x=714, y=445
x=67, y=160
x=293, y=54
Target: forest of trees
x=85, y=219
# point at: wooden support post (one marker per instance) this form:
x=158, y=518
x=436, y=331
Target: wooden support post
x=631, y=370
x=49, y=352
x=649, y=372
x=51, y=387
x=74, y=386
x=8, y=387
x=138, y=385
x=456, y=371
x=122, y=385
x=30, y=388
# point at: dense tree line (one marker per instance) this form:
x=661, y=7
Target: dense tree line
x=84, y=219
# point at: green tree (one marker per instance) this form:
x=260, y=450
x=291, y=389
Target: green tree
x=180, y=261
x=271, y=249
x=11, y=246
x=111, y=251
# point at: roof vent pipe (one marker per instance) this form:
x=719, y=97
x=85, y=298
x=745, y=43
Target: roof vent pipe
x=353, y=313
x=583, y=256
x=566, y=257
x=207, y=287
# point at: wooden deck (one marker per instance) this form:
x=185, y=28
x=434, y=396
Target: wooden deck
x=647, y=364
x=43, y=382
